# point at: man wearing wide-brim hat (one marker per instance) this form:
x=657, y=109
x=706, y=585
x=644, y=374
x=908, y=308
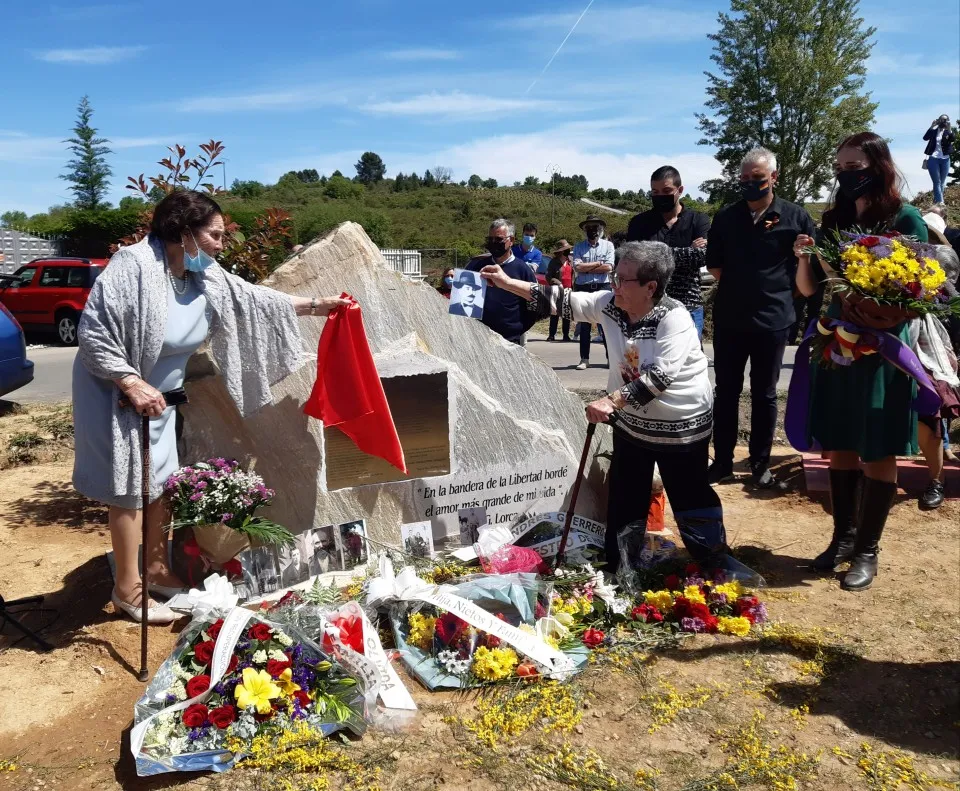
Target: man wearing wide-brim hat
x=560, y=273
x=593, y=260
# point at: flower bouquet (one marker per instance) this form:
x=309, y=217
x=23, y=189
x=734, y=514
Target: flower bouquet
x=220, y=501
x=690, y=603
x=884, y=279
x=230, y=680
x=481, y=631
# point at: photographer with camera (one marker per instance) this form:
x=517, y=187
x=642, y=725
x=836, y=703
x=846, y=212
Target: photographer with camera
x=939, y=139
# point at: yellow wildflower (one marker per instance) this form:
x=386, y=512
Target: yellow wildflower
x=662, y=600
x=733, y=590
x=421, y=631
x=692, y=593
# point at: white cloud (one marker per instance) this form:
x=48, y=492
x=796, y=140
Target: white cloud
x=421, y=54
x=266, y=100
x=91, y=56
x=455, y=105
x=619, y=25
x=19, y=146
x=912, y=65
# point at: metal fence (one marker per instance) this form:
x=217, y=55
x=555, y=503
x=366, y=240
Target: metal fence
x=19, y=247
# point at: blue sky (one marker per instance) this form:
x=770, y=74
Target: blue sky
x=302, y=83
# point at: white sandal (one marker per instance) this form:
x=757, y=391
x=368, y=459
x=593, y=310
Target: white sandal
x=158, y=614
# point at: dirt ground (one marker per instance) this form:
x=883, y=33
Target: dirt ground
x=883, y=670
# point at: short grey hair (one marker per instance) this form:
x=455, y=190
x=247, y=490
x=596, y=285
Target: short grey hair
x=654, y=262
x=760, y=156
x=949, y=261
x=502, y=223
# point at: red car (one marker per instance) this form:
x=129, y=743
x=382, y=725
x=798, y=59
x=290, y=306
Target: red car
x=49, y=293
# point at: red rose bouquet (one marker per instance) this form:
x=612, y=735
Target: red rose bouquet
x=229, y=681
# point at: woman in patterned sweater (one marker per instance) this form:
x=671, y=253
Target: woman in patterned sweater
x=660, y=402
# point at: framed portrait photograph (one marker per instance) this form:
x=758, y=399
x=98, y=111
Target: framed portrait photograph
x=467, y=294
x=471, y=520
x=260, y=573
x=352, y=544
x=321, y=550
x=417, y=539
x=294, y=562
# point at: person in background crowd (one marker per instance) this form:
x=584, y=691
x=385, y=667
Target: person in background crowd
x=861, y=414
x=683, y=230
x=940, y=139
x=618, y=238
x=446, y=282
x=593, y=260
x=560, y=273
x=659, y=401
x=750, y=253
x=952, y=235
x=527, y=251
x=503, y=312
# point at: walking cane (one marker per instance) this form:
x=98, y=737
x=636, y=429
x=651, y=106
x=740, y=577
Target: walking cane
x=591, y=428
x=144, y=502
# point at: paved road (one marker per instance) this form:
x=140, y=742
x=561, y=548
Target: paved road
x=602, y=207
x=563, y=358
x=52, y=371
x=53, y=366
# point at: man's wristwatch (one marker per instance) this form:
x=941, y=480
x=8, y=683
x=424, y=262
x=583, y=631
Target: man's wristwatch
x=313, y=306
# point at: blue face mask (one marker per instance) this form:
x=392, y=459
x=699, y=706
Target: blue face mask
x=198, y=262
x=448, y=281
x=529, y=240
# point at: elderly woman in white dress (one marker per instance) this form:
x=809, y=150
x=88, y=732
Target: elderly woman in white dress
x=155, y=303
x=660, y=401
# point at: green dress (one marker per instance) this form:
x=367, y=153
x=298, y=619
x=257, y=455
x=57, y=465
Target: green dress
x=866, y=407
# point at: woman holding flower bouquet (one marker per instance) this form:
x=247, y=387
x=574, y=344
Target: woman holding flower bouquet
x=861, y=404
x=157, y=301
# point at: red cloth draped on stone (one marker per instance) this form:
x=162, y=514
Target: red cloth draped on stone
x=348, y=393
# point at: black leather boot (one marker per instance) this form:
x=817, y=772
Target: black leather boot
x=844, y=490
x=876, y=499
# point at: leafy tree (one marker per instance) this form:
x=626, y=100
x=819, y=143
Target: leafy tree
x=475, y=182
x=612, y=194
x=955, y=160
x=377, y=226
x=517, y=184
x=130, y=203
x=336, y=173
x=12, y=219
x=308, y=176
x=490, y=184
x=790, y=74
x=413, y=182
x=156, y=194
x=531, y=181
x=89, y=172
x=342, y=188
x=428, y=179
x=370, y=168
x=249, y=189
x=574, y=187
x=400, y=183
x=289, y=178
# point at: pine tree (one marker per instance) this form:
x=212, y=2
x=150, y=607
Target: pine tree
x=89, y=173
x=790, y=79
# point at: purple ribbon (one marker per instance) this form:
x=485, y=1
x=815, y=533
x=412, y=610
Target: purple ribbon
x=888, y=346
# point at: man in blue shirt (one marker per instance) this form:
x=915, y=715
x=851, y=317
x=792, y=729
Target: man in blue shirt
x=593, y=260
x=527, y=252
x=506, y=314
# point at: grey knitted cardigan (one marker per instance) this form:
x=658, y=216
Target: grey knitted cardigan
x=254, y=339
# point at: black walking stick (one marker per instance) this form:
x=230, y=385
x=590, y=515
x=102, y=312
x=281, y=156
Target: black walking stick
x=591, y=428
x=144, y=503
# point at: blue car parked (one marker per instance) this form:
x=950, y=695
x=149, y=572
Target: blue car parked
x=15, y=369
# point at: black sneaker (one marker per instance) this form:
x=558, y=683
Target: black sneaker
x=767, y=480
x=932, y=497
x=719, y=473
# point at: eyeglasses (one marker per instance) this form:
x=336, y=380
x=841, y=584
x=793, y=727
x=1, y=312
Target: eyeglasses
x=619, y=281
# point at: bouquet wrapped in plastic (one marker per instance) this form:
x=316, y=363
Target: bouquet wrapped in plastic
x=231, y=679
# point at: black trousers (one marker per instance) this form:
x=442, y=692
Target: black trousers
x=807, y=310
x=731, y=350
x=554, y=320
x=684, y=475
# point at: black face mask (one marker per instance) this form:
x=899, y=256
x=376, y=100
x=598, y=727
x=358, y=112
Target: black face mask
x=593, y=232
x=663, y=203
x=854, y=183
x=755, y=189
x=496, y=247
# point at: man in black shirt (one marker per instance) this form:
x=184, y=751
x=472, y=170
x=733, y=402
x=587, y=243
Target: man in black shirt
x=750, y=252
x=682, y=229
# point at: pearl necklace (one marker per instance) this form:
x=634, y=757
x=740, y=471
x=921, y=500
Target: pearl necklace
x=173, y=282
